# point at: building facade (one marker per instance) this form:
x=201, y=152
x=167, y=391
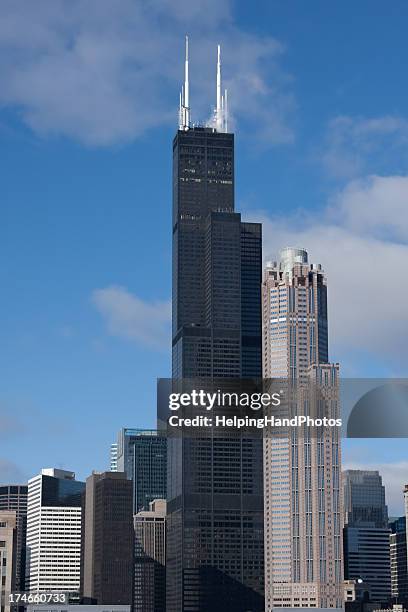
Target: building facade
x=8, y=556
x=107, y=545
x=150, y=558
x=366, y=532
x=398, y=560
x=53, y=532
x=215, y=508
x=142, y=455
x=14, y=497
x=303, y=508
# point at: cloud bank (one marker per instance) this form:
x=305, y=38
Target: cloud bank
x=361, y=239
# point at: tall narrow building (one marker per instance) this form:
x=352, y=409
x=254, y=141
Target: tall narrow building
x=150, y=558
x=14, y=497
x=366, y=532
x=53, y=560
x=107, y=542
x=215, y=530
x=303, y=551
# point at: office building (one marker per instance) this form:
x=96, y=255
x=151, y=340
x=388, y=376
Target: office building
x=14, y=497
x=364, y=498
x=150, y=558
x=366, y=532
x=53, y=532
x=215, y=507
x=398, y=559
x=303, y=510
x=8, y=556
x=142, y=455
x=76, y=608
x=107, y=548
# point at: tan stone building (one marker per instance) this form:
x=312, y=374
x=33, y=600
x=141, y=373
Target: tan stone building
x=8, y=543
x=303, y=509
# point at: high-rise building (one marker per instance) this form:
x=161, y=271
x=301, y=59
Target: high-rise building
x=8, y=556
x=215, y=507
x=107, y=544
x=53, y=532
x=364, y=498
x=150, y=558
x=14, y=497
x=366, y=532
x=142, y=455
x=303, y=551
x=398, y=559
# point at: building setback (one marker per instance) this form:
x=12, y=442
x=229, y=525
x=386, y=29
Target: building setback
x=107, y=547
x=366, y=532
x=150, y=558
x=303, y=510
x=8, y=556
x=53, y=532
x=215, y=507
x=14, y=497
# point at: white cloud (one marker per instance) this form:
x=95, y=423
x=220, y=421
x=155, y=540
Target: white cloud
x=355, y=145
x=127, y=316
x=361, y=240
x=395, y=477
x=105, y=72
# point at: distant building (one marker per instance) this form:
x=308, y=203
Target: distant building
x=150, y=558
x=398, y=559
x=366, y=532
x=14, y=497
x=142, y=455
x=8, y=556
x=54, y=532
x=107, y=563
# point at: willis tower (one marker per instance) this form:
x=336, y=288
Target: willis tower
x=215, y=497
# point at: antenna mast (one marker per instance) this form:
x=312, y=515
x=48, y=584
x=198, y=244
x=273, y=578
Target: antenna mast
x=184, y=111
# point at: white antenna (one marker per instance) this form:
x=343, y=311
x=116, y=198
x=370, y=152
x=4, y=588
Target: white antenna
x=226, y=110
x=218, y=109
x=184, y=112
x=186, y=89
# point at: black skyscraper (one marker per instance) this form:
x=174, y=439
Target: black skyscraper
x=215, y=500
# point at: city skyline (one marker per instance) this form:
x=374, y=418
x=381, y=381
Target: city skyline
x=71, y=353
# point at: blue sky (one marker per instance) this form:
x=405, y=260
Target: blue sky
x=88, y=109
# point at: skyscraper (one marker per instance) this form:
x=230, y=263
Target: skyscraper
x=398, y=560
x=303, y=552
x=54, y=532
x=107, y=543
x=215, y=531
x=366, y=532
x=113, y=457
x=150, y=558
x=14, y=497
x=142, y=455
x=8, y=556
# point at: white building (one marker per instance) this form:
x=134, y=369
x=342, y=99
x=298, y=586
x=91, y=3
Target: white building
x=54, y=532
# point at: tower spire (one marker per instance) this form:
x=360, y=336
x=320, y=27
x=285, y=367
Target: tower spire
x=184, y=112
x=218, y=111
